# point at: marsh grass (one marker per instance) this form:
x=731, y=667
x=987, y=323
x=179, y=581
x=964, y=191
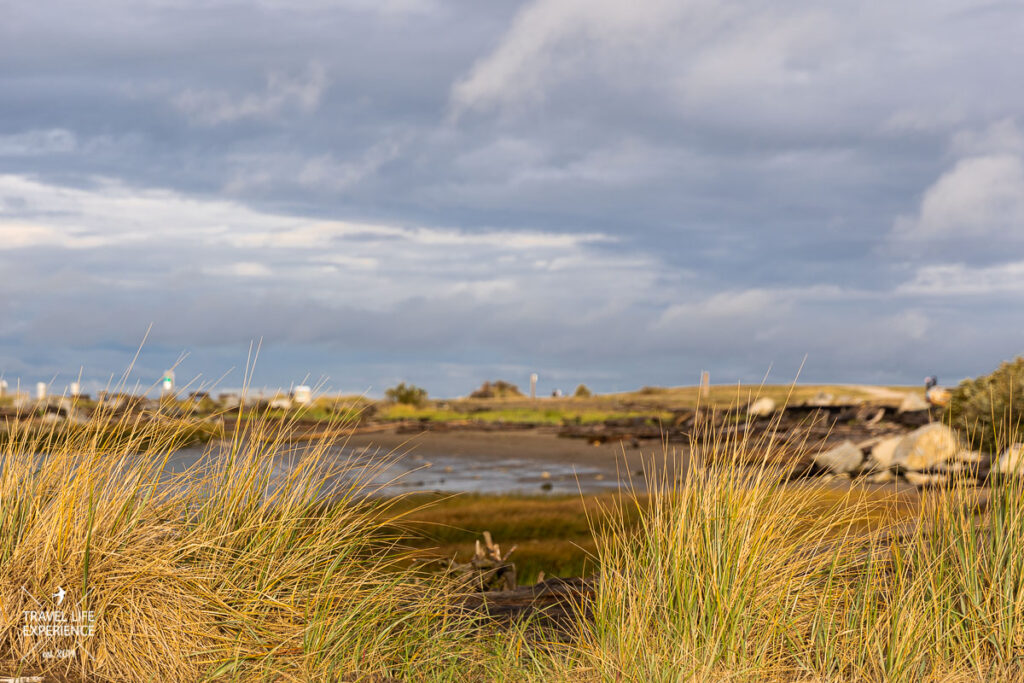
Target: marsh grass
x=734, y=574
x=241, y=569
x=235, y=569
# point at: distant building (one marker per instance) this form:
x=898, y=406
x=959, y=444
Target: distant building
x=167, y=383
x=281, y=403
x=40, y=391
x=229, y=400
x=302, y=395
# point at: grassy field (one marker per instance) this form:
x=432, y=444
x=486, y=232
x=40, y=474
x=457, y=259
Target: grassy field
x=650, y=402
x=228, y=573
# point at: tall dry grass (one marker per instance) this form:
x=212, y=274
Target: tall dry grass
x=235, y=569
x=735, y=574
x=240, y=569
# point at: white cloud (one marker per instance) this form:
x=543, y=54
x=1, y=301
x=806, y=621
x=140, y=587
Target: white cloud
x=1000, y=137
x=959, y=279
x=550, y=39
x=979, y=201
x=283, y=92
x=690, y=54
x=19, y=235
x=385, y=263
x=243, y=269
x=981, y=196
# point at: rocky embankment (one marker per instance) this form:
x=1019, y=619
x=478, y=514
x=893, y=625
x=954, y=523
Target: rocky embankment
x=878, y=443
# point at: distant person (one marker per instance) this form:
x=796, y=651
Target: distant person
x=934, y=394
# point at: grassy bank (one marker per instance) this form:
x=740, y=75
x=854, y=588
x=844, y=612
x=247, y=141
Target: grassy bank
x=237, y=570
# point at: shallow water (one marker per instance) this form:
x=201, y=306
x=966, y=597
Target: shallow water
x=463, y=473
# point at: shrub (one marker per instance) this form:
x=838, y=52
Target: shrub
x=986, y=407
x=582, y=392
x=407, y=394
x=496, y=389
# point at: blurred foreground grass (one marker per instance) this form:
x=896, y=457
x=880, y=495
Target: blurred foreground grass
x=240, y=569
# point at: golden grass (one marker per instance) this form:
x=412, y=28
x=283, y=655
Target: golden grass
x=733, y=575
x=238, y=570
x=222, y=572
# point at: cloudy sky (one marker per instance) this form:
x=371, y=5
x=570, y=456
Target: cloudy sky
x=445, y=191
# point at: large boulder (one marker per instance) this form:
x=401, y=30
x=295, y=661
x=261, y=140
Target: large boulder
x=1012, y=460
x=913, y=403
x=846, y=458
x=882, y=453
x=762, y=407
x=927, y=447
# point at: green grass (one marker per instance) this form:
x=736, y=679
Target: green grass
x=551, y=534
x=555, y=415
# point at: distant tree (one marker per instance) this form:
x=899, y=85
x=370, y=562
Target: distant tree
x=582, y=392
x=989, y=408
x=406, y=394
x=497, y=389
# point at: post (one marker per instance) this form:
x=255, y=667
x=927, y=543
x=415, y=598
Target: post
x=705, y=385
x=533, y=385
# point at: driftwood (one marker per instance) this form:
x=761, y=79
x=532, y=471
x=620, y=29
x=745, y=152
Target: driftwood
x=554, y=603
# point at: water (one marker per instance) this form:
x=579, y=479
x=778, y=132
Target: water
x=462, y=473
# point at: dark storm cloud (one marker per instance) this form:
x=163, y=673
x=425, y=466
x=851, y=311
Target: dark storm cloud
x=618, y=193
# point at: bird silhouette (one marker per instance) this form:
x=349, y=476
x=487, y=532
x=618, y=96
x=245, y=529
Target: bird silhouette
x=60, y=594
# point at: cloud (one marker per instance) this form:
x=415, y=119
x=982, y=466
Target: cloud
x=283, y=92
x=979, y=197
x=622, y=191
x=38, y=142
x=551, y=40
x=959, y=279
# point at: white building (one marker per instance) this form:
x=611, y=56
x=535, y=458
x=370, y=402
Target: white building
x=302, y=395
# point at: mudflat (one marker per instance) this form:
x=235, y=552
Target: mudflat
x=531, y=453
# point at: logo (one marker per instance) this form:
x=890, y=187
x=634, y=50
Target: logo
x=45, y=624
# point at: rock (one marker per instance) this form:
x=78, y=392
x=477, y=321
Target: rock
x=926, y=447
x=845, y=458
x=880, y=458
x=876, y=418
x=969, y=457
x=1012, y=460
x=762, y=407
x=923, y=479
x=883, y=477
x=821, y=399
x=912, y=403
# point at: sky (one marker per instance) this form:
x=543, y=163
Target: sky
x=447, y=191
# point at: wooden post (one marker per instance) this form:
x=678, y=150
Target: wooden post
x=705, y=385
